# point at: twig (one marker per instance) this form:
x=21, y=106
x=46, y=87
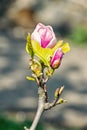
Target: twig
x=48, y=105
x=46, y=94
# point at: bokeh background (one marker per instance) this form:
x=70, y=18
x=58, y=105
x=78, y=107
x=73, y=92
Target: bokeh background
x=18, y=97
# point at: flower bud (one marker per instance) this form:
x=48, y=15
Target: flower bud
x=60, y=101
x=61, y=90
x=49, y=71
x=56, y=58
x=56, y=94
x=36, y=67
x=44, y=35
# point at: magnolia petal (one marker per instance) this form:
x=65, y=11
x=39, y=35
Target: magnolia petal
x=44, y=35
x=53, y=41
x=35, y=36
x=65, y=48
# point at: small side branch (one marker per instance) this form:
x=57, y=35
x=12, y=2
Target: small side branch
x=56, y=101
x=46, y=94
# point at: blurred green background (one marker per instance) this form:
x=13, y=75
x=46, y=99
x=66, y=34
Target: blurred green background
x=18, y=97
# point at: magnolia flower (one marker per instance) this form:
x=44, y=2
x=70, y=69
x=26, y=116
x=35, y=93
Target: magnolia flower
x=43, y=44
x=56, y=58
x=44, y=35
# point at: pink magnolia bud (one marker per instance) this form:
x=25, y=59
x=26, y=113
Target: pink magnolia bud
x=56, y=58
x=44, y=35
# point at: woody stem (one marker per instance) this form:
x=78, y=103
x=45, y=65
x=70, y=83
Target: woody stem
x=40, y=109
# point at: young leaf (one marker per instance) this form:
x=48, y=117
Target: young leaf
x=30, y=78
x=65, y=47
x=29, y=48
x=44, y=54
x=58, y=45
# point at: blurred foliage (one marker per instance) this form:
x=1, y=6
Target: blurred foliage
x=7, y=124
x=79, y=36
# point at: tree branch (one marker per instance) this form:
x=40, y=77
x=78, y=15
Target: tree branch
x=39, y=110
